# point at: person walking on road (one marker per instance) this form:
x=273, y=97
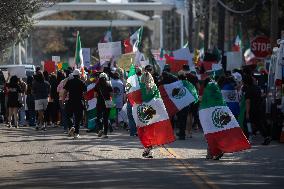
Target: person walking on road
x=74, y=106
x=104, y=90
x=14, y=104
x=40, y=90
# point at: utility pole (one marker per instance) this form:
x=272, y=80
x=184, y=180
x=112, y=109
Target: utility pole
x=274, y=22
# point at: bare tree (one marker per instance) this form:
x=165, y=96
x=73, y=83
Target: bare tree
x=16, y=19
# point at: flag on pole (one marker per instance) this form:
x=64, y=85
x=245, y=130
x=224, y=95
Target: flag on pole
x=132, y=87
x=249, y=56
x=152, y=120
x=128, y=48
x=79, y=62
x=220, y=127
x=136, y=39
x=178, y=95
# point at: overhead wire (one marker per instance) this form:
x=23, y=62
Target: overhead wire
x=237, y=11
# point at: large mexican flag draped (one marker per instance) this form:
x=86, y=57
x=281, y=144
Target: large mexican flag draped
x=152, y=120
x=220, y=127
x=178, y=95
x=132, y=87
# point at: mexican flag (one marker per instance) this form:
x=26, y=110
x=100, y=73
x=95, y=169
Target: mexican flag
x=79, y=55
x=136, y=39
x=152, y=120
x=231, y=97
x=132, y=87
x=178, y=95
x=222, y=131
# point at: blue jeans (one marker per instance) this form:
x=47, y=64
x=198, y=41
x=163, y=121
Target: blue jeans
x=131, y=122
x=22, y=116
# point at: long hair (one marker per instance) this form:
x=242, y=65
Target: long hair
x=14, y=81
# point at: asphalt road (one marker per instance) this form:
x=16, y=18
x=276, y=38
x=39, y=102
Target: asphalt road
x=50, y=159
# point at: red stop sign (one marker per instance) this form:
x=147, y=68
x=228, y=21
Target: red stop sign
x=261, y=46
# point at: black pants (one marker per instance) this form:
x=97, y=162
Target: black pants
x=76, y=110
x=181, y=121
x=103, y=112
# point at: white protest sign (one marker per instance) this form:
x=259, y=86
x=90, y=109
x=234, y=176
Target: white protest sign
x=86, y=56
x=18, y=71
x=234, y=60
x=109, y=50
x=183, y=54
x=55, y=59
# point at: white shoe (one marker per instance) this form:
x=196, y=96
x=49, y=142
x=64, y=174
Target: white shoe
x=71, y=132
x=76, y=136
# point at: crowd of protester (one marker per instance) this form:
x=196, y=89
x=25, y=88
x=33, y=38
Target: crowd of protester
x=57, y=100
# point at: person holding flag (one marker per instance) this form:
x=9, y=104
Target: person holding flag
x=220, y=127
x=152, y=120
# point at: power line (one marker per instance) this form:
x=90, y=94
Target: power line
x=237, y=11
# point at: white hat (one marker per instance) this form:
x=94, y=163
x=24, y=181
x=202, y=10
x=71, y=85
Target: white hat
x=237, y=76
x=103, y=75
x=76, y=72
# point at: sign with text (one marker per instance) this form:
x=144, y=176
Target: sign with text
x=86, y=56
x=55, y=59
x=109, y=51
x=261, y=46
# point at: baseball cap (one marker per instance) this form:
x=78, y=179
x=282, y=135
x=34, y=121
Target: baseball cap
x=103, y=75
x=237, y=76
x=76, y=72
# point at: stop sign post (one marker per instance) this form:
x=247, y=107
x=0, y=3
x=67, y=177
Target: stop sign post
x=261, y=46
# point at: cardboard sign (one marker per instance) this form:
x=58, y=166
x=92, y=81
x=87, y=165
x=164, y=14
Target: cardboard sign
x=234, y=60
x=109, y=50
x=49, y=66
x=86, y=56
x=126, y=60
x=18, y=71
x=55, y=59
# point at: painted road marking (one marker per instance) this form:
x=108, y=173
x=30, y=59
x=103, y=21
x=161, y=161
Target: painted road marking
x=198, y=177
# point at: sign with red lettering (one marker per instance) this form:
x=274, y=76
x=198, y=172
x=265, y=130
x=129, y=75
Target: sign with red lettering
x=261, y=46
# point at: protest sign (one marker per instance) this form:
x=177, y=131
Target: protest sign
x=126, y=60
x=18, y=71
x=55, y=59
x=49, y=66
x=234, y=60
x=86, y=56
x=109, y=50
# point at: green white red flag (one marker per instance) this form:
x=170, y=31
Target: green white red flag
x=79, y=55
x=132, y=87
x=221, y=130
x=152, y=120
x=178, y=95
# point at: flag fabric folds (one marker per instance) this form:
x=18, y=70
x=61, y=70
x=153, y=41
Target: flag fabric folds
x=79, y=55
x=175, y=65
x=152, y=120
x=220, y=127
x=178, y=95
x=132, y=87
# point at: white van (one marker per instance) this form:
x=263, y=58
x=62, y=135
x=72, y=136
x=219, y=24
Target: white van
x=30, y=69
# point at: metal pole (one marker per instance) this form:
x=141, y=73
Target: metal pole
x=181, y=31
x=14, y=53
x=161, y=32
x=20, y=54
